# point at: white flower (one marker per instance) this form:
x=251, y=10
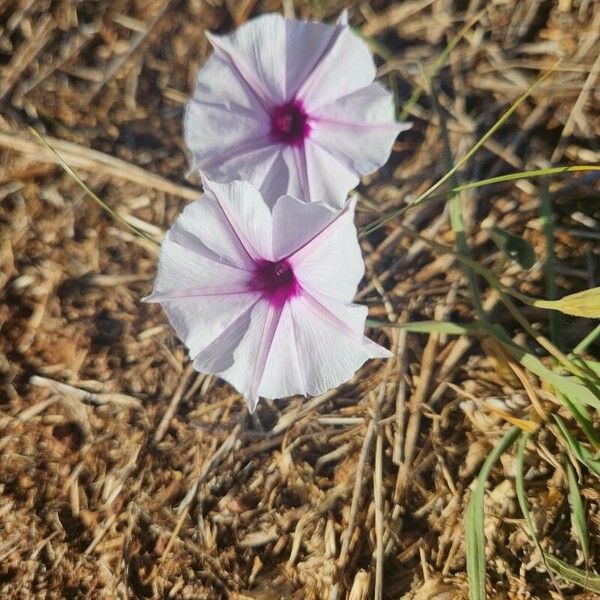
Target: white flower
x=263, y=297
x=291, y=107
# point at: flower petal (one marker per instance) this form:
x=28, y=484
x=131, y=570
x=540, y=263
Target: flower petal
x=256, y=355
x=329, y=179
x=207, y=262
x=265, y=348
x=290, y=174
x=247, y=214
x=347, y=66
x=279, y=352
x=282, y=177
x=307, y=43
x=203, y=228
x=288, y=212
x=203, y=277
x=221, y=354
x=288, y=351
x=200, y=321
x=331, y=263
x=220, y=83
x=184, y=273
x=256, y=50
x=225, y=124
x=282, y=373
x=233, y=354
x=358, y=130
x=329, y=354
x=254, y=163
x=348, y=318
x=343, y=18
x=236, y=130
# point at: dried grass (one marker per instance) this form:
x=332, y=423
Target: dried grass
x=127, y=475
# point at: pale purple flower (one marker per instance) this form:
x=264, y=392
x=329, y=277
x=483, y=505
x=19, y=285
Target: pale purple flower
x=291, y=107
x=263, y=297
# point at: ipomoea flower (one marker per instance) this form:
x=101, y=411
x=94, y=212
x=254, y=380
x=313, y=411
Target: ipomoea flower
x=263, y=297
x=291, y=107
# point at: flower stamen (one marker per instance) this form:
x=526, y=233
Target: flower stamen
x=276, y=280
x=289, y=123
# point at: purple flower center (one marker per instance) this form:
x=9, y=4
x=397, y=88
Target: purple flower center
x=276, y=280
x=289, y=123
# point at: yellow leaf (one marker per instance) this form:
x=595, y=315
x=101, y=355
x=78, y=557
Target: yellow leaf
x=522, y=424
x=581, y=304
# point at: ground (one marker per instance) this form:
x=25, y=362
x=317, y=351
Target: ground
x=125, y=474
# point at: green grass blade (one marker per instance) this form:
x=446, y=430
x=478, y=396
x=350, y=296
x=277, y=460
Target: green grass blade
x=478, y=145
x=525, y=175
x=520, y=487
x=519, y=175
x=577, y=510
x=524, y=504
x=443, y=327
x=474, y=520
x=593, y=366
x=572, y=387
x=576, y=449
x=550, y=262
x=587, y=581
x=581, y=415
x=455, y=208
x=589, y=339
x=65, y=166
x=504, y=293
